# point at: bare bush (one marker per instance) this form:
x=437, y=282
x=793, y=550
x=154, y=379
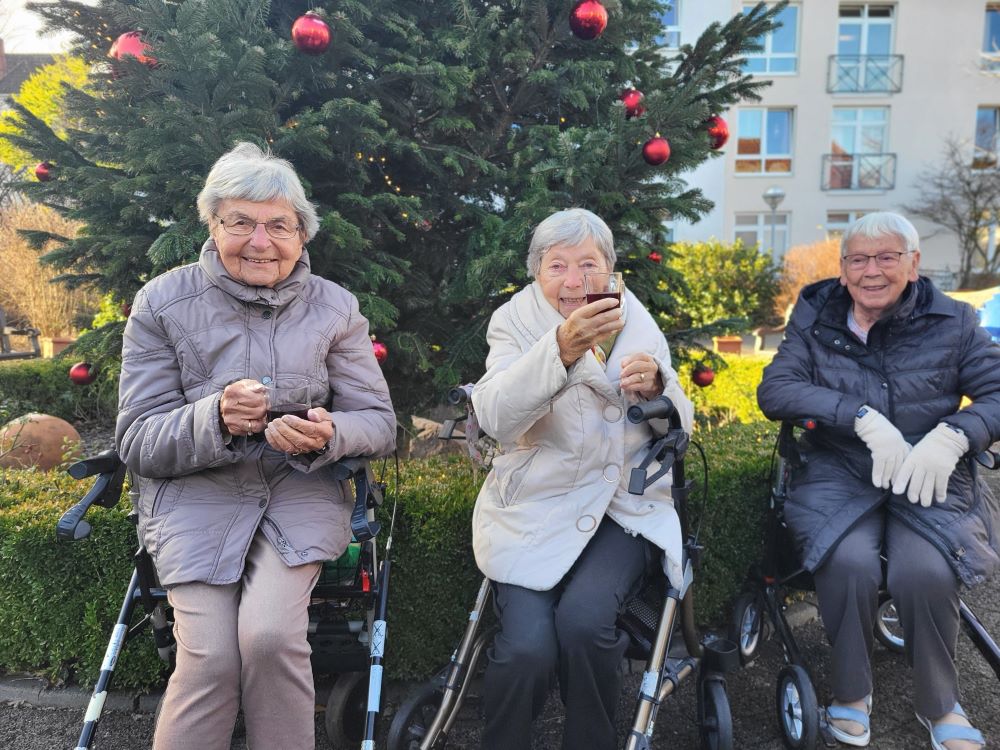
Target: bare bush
x=803, y=265
x=26, y=293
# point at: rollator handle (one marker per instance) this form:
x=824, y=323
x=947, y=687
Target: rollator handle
x=102, y=463
x=105, y=492
x=660, y=407
x=460, y=394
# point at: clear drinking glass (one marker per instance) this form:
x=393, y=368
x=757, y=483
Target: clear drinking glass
x=603, y=286
x=288, y=396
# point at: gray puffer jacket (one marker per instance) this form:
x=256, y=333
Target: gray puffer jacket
x=201, y=497
x=915, y=368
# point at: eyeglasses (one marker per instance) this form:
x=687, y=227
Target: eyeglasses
x=859, y=261
x=241, y=226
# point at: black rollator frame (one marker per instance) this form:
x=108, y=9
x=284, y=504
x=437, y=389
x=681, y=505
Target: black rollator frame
x=145, y=591
x=424, y=721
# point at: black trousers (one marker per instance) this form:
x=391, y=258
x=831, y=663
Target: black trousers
x=570, y=628
x=925, y=591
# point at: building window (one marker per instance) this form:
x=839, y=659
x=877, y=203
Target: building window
x=755, y=229
x=859, y=158
x=780, y=47
x=864, y=61
x=987, y=125
x=837, y=222
x=671, y=19
x=764, y=141
x=991, y=38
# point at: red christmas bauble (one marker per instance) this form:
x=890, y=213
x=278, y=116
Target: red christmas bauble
x=718, y=132
x=656, y=151
x=702, y=375
x=126, y=308
x=655, y=257
x=43, y=171
x=130, y=43
x=83, y=373
x=632, y=99
x=588, y=19
x=311, y=34
x=381, y=351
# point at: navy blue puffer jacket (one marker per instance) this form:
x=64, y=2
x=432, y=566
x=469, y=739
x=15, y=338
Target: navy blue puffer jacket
x=915, y=368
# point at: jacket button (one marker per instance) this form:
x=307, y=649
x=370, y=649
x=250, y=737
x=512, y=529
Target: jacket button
x=266, y=379
x=847, y=348
x=586, y=523
x=612, y=473
x=885, y=385
x=266, y=315
x=262, y=503
x=612, y=413
x=837, y=342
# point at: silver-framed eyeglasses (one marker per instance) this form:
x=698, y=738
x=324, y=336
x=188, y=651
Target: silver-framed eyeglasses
x=888, y=259
x=241, y=226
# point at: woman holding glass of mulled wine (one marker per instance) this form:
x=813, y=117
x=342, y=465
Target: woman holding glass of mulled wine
x=554, y=526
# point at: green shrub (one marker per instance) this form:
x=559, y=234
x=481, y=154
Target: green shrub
x=43, y=385
x=732, y=396
x=723, y=281
x=58, y=601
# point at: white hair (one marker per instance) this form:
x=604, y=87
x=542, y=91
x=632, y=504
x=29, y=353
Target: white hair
x=570, y=227
x=881, y=224
x=249, y=173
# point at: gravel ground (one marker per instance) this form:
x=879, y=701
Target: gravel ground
x=751, y=694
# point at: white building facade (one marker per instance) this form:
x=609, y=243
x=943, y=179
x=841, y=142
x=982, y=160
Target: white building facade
x=863, y=97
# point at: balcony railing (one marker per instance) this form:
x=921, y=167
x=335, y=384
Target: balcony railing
x=859, y=171
x=866, y=74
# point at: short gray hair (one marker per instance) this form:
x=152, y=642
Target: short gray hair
x=248, y=173
x=881, y=224
x=570, y=227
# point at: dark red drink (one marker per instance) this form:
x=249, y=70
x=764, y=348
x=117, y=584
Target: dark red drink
x=594, y=296
x=296, y=410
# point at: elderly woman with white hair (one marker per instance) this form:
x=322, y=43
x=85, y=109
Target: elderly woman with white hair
x=881, y=359
x=239, y=512
x=554, y=526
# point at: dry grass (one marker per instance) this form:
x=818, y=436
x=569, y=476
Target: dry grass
x=803, y=265
x=26, y=294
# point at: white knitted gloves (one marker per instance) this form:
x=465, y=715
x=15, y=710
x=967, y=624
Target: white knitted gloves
x=930, y=464
x=886, y=443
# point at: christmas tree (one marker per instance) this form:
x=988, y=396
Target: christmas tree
x=432, y=136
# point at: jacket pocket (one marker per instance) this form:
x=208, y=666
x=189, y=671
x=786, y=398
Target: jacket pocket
x=165, y=496
x=512, y=472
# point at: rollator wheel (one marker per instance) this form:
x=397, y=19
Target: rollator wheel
x=888, y=629
x=716, y=728
x=414, y=717
x=798, y=712
x=346, y=710
x=746, y=625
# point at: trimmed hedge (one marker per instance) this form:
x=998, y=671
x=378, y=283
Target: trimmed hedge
x=58, y=600
x=43, y=385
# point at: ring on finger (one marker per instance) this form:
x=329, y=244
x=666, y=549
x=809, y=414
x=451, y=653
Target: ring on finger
x=642, y=377
x=249, y=426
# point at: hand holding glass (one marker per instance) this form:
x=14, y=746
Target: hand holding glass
x=288, y=398
x=603, y=286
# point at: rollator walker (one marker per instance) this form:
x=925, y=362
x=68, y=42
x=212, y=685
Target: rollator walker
x=759, y=611
x=650, y=619
x=347, y=611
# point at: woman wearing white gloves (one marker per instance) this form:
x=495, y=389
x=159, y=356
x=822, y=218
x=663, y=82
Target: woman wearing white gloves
x=881, y=359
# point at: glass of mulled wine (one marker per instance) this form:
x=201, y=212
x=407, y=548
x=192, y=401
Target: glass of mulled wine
x=603, y=286
x=288, y=397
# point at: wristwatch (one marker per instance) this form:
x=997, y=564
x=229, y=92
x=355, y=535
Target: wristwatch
x=861, y=412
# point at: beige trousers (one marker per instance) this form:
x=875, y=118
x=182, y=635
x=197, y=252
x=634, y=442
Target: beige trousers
x=243, y=641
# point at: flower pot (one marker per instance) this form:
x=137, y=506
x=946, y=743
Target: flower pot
x=53, y=345
x=728, y=344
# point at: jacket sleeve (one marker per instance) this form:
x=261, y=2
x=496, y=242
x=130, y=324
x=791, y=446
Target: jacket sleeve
x=787, y=390
x=979, y=379
x=518, y=387
x=158, y=433
x=364, y=423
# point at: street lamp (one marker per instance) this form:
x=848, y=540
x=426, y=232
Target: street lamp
x=773, y=197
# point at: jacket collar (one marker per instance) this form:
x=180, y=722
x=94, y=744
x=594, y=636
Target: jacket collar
x=828, y=301
x=281, y=294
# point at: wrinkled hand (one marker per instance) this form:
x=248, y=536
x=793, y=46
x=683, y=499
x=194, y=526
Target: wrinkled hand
x=925, y=472
x=585, y=327
x=243, y=407
x=641, y=376
x=888, y=447
x=293, y=435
